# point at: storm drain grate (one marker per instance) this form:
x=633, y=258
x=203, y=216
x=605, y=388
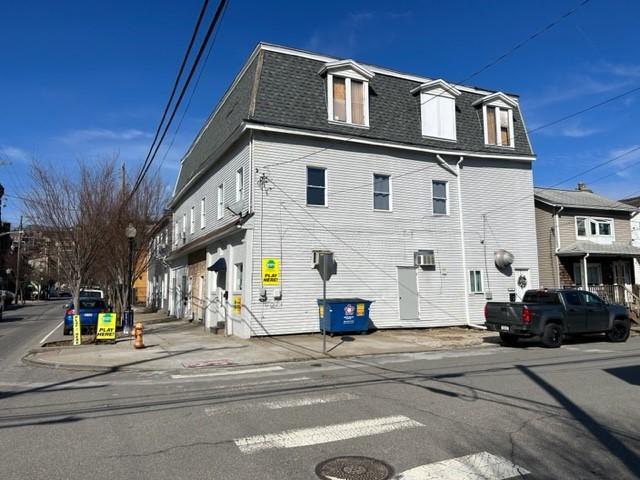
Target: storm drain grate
x=354, y=468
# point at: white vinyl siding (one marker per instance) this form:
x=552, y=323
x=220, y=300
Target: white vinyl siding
x=438, y=112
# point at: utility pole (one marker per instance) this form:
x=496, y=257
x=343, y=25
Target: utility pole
x=18, y=262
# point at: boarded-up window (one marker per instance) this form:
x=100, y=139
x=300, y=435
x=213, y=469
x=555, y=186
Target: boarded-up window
x=491, y=126
x=339, y=100
x=438, y=116
x=504, y=127
x=357, y=102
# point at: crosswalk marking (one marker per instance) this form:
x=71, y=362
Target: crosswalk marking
x=230, y=372
x=280, y=404
x=479, y=466
x=325, y=434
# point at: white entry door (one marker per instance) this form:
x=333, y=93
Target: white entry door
x=408, y=294
x=523, y=282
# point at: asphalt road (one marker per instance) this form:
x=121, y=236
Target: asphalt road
x=569, y=413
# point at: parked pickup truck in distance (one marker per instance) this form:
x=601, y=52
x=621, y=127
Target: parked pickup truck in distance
x=552, y=314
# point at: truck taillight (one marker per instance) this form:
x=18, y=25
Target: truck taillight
x=526, y=315
x=486, y=309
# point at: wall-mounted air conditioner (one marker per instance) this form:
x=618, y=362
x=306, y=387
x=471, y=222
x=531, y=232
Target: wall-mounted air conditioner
x=425, y=258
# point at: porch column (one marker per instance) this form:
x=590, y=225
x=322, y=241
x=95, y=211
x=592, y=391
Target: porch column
x=585, y=273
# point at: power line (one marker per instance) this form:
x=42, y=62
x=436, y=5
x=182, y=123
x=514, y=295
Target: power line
x=201, y=50
x=580, y=112
x=176, y=81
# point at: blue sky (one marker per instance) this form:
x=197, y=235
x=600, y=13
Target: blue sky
x=89, y=79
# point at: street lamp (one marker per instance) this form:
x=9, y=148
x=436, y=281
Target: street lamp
x=130, y=232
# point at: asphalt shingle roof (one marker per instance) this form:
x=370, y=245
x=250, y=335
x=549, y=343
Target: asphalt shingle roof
x=579, y=199
x=290, y=92
x=584, y=246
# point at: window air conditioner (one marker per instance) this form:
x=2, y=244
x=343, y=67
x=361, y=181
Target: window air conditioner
x=425, y=258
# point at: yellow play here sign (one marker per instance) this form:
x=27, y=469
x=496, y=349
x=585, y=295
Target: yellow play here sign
x=106, y=326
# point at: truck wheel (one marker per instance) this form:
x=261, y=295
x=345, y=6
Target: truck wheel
x=552, y=335
x=619, y=331
x=508, y=339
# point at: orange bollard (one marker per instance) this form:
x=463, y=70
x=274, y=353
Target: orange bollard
x=137, y=331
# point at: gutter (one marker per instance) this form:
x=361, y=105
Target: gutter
x=464, y=247
x=558, y=242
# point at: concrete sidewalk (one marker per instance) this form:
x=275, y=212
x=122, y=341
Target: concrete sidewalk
x=175, y=345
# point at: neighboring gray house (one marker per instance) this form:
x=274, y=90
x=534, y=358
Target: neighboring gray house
x=635, y=232
x=415, y=184
x=584, y=240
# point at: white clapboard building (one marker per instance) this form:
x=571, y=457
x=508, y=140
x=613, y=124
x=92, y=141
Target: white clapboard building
x=421, y=188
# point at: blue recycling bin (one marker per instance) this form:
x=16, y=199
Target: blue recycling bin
x=345, y=315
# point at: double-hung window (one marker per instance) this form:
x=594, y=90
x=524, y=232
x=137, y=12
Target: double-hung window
x=316, y=186
x=237, y=275
x=347, y=92
x=192, y=220
x=203, y=212
x=220, y=201
x=176, y=233
x=497, y=114
x=239, y=184
x=381, y=192
x=439, y=190
x=475, y=281
x=595, y=229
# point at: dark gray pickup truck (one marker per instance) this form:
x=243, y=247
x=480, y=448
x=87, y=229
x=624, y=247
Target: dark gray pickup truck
x=552, y=314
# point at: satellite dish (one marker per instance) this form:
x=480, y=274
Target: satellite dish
x=503, y=259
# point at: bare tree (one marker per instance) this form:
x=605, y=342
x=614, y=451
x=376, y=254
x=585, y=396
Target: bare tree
x=73, y=211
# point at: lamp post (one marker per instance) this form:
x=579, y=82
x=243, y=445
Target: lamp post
x=130, y=232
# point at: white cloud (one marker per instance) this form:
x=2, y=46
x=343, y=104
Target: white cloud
x=571, y=129
x=573, y=88
x=13, y=154
x=102, y=134
x=618, y=69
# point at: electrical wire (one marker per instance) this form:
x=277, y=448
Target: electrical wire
x=212, y=25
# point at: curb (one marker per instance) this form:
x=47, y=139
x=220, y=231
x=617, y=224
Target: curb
x=29, y=359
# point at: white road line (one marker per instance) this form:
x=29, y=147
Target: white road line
x=230, y=372
x=280, y=404
x=51, y=332
x=327, y=434
x=479, y=466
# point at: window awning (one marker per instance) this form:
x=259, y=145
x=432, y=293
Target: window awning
x=218, y=265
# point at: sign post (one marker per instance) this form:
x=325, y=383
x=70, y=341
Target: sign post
x=77, y=333
x=326, y=268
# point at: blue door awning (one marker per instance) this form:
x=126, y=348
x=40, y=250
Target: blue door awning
x=219, y=265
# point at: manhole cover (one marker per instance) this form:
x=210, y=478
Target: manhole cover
x=353, y=468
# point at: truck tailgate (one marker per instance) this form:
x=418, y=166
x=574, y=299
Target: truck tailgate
x=504, y=313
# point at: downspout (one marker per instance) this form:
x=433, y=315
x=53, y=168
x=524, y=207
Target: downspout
x=585, y=279
x=462, y=242
x=558, y=243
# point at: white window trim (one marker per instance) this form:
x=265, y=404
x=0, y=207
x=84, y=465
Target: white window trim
x=597, y=236
x=239, y=184
x=203, y=213
x=237, y=276
x=220, y=202
x=347, y=89
x=498, y=125
x=447, y=200
x=192, y=220
x=476, y=292
x=373, y=192
x=184, y=223
x=326, y=186
x=437, y=88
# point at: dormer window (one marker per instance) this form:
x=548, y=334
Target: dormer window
x=347, y=92
x=438, y=109
x=497, y=115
